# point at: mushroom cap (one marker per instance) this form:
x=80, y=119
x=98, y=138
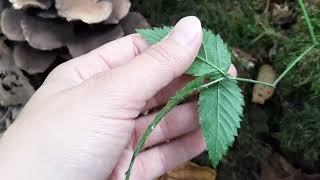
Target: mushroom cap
x=133, y=21
x=43, y=4
x=32, y=60
x=80, y=45
x=88, y=11
x=10, y=24
x=120, y=10
x=44, y=34
x=4, y=49
x=15, y=87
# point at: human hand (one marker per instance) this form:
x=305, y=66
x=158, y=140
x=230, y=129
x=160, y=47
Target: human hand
x=84, y=122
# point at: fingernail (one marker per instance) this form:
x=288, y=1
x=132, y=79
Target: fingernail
x=186, y=30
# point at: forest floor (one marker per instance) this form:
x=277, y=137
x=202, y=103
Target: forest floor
x=280, y=137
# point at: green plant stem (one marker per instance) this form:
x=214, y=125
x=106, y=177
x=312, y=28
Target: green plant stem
x=258, y=38
x=212, y=65
x=188, y=90
x=211, y=83
x=308, y=21
x=291, y=65
x=251, y=81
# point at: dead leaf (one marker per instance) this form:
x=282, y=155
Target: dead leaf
x=246, y=59
x=261, y=93
x=282, y=14
x=190, y=171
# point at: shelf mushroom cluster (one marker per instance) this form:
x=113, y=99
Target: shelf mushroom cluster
x=36, y=33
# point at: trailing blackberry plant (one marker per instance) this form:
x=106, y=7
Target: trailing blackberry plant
x=220, y=100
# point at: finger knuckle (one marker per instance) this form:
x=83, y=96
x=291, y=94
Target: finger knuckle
x=161, y=54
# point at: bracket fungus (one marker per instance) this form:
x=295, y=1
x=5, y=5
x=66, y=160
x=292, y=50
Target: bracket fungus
x=120, y=9
x=88, y=11
x=21, y=4
x=32, y=60
x=44, y=34
x=81, y=45
x=4, y=49
x=10, y=24
x=40, y=31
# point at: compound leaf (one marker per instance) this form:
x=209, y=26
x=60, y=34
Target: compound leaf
x=213, y=57
x=220, y=108
x=220, y=105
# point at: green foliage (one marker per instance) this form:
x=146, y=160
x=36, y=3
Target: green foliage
x=244, y=159
x=233, y=19
x=238, y=24
x=220, y=105
x=308, y=70
x=213, y=51
x=300, y=132
x=154, y=35
x=186, y=91
x=220, y=108
x=213, y=55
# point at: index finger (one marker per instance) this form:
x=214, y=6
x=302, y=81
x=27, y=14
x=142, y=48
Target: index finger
x=111, y=55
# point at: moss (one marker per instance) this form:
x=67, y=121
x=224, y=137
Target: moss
x=233, y=19
x=307, y=72
x=299, y=132
x=240, y=23
x=243, y=160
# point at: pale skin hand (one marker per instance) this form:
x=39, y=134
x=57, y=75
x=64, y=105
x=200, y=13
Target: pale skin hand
x=84, y=122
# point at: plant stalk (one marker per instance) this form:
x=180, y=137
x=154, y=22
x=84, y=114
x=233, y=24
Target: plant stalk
x=291, y=65
x=308, y=21
x=251, y=81
x=188, y=90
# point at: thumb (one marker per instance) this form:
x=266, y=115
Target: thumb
x=158, y=65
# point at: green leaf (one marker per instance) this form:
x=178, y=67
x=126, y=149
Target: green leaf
x=213, y=57
x=154, y=35
x=220, y=108
x=220, y=105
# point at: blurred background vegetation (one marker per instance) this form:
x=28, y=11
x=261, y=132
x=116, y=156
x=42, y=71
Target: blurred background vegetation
x=270, y=32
